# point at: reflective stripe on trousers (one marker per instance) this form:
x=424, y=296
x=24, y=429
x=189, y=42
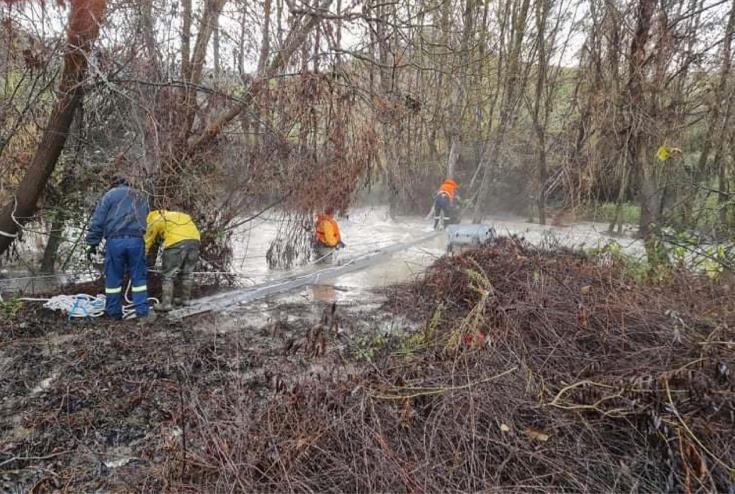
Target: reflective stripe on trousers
x=125, y=256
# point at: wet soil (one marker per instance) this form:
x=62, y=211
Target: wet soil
x=154, y=406
x=98, y=405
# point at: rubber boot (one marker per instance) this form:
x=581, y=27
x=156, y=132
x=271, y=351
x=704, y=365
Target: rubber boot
x=167, y=294
x=186, y=286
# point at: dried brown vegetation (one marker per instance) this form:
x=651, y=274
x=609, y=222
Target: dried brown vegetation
x=534, y=371
x=526, y=370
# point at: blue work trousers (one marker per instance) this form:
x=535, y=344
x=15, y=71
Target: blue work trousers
x=125, y=255
x=444, y=206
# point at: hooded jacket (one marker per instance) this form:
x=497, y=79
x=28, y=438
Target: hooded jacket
x=121, y=212
x=327, y=231
x=172, y=226
x=449, y=187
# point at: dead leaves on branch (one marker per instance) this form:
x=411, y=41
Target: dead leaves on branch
x=324, y=143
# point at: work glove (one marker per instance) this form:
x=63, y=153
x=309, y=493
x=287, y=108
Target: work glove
x=91, y=250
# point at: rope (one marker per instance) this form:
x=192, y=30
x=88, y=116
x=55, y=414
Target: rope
x=79, y=274
x=84, y=306
x=80, y=306
x=38, y=277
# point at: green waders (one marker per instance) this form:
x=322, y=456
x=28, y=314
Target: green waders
x=179, y=262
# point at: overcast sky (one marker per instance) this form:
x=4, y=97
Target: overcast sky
x=47, y=20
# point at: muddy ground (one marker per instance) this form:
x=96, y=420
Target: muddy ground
x=506, y=368
x=97, y=405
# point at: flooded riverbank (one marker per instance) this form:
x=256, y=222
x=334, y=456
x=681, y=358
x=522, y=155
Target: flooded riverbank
x=366, y=230
x=369, y=229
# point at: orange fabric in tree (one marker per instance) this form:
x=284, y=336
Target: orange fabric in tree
x=450, y=188
x=327, y=230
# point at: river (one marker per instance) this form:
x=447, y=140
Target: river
x=368, y=229
x=365, y=230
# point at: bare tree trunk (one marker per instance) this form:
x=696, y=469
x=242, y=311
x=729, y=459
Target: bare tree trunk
x=513, y=84
x=294, y=40
x=714, y=136
x=317, y=44
x=186, y=40
x=725, y=192
x=265, y=44
x=241, y=46
x=723, y=188
x=215, y=47
x=380, y=40
x=48, y=262
x=207, y=26
x=717, y=128
x=85, y=18
x=542, y=12
x=649, y=190
x=56, y=236
x=453, y=155
x=149, y=37
x=279, y=22
x=636, y=147
x=338, y=35
x=623, y=187
x=456, y=111
x=541, y=170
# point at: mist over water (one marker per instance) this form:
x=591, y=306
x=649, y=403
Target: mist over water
x=365, y=230
x=370, y=228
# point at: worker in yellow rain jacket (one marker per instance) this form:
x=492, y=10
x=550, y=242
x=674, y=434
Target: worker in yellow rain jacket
x=328, y=237
x=180, y=253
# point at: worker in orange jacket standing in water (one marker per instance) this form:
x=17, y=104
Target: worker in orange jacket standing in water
x=328, y=238
x=445, y=204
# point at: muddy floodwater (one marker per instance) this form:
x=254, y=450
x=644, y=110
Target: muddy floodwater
x=369, y=229
x=360, y=294
x=364, y=231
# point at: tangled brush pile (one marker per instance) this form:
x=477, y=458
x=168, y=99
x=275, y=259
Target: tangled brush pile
x=532, y=371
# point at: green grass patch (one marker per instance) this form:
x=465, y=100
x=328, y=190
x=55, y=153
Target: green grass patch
x=605, y=212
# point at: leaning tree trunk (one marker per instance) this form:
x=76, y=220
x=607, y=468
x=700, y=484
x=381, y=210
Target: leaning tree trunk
x=85, y=17
x=540, y=117
x=514, y=83
x=294, y=40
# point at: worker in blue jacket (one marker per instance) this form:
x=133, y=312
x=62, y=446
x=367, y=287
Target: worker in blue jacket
x=120, y=218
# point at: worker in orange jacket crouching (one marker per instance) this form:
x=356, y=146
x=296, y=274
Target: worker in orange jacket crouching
x=328, y=238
